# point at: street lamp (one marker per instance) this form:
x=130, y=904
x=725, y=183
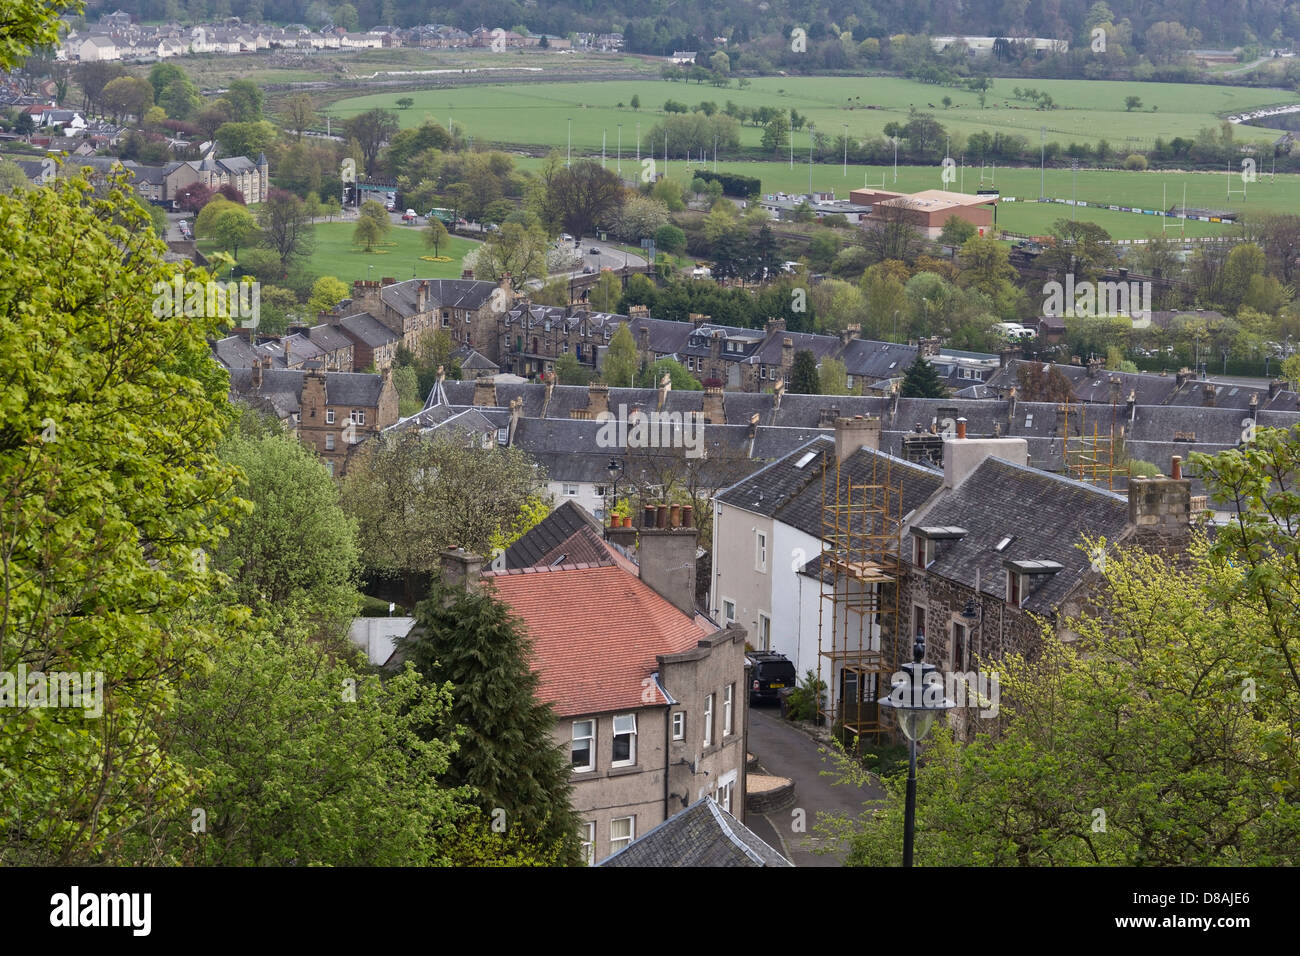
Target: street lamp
x=617, y=468
x=918, y=699
x=846, y=149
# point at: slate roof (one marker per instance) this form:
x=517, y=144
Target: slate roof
x=368, y=330
x=596, y=632
x=568, y=529
x=703, y=834
x=1042, y=513
x=442, y=293
x=283, y=388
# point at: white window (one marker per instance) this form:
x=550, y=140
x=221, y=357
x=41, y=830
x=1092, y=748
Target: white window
x=708, y=720
x=329, y=442
x=587, y=834
x=762, y=371
x=624, y=740
x=728, y=611
x=358, y=416
x=622, y=831
x=848, y=380
x=764, y=632
x=679, y=725
x=584, y=745
x=726, y=789
x=600, y=491
x=570, y=491
x=329, y=466
x=566, y=348
x=329, y=416
x=728, y=695
x=760, y=552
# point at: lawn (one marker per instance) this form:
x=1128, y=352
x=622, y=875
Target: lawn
x=1088, y=111
x=401, y=250
x=398, y=256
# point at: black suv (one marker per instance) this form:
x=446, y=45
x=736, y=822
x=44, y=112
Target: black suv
x=769, y=673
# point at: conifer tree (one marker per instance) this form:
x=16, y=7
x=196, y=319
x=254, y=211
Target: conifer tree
x=922, y=381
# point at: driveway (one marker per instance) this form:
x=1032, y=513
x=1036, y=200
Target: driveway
x=786, y=752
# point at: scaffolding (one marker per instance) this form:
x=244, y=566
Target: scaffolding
x=858, y=617
x=1093, y=457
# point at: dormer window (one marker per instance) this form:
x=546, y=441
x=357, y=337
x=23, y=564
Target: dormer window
x=1015, y=588
x=1019, y=574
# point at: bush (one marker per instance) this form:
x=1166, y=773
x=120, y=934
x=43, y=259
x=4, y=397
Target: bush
x=804, y=701
x=1135, y=161
x=733, y=184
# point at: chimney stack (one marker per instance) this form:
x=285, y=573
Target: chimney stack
x=1115, y=383
x=1181, y=377
x=1095, y=365
x=1160, y=509
x=778, y=390
x=787, y=356
x=714, y=409
x=1253, y=408
x=1274, y=387
x=961, y=456
x=666, y=555
x=1011, y=406
x=460, y=571
x=257, y=371
x=1207, y=395
x=485, y=391
x=597, y=399
x=422, y=296
x=665, y=386
x=774, y=326
x=854, y=433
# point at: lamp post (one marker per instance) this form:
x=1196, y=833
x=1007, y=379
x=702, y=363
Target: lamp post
x=918, y=699
x=846, y=149
x=619, y=160
x=568, y=155
x=617, y=468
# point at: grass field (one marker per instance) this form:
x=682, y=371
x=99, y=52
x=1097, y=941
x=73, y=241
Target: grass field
x=1113, y=187
x=398, y=256
x=1089, y=111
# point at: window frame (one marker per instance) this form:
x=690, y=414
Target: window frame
x=567, y=486
x=329, y=441
x=618, y=843
x=760, y=551
x=329, y=416
x=587, y=837
x=679, y=725
x=630, y=759
x=591, y=746
x=728, y=710
x=708, y=720
x=728, y=617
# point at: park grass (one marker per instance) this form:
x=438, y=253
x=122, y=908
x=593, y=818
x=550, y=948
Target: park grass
x=399, y=255
x=537, y=114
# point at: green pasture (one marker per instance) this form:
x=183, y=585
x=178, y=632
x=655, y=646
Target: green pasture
x=397, y=256
x=539, y=114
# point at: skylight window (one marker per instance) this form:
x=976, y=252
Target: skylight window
x=1002, y=545
x=1029, y=421
x=893, y=364
x=803, y=462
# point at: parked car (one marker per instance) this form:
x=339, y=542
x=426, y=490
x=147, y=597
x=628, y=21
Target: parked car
x=769, y=673
x=408, y=216
x=565, y=237
x=594, y=250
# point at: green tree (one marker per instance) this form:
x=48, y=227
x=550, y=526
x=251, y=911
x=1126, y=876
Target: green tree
x=569, y=371
x=635, y=102
x=407, y=384
x=833, y=377
x=776, y=134
x=435, y=235
x=246, y=139
x=232, y=227
x=1148, y=713
x=670, y=239
x=299, y=113
x=679, y=376
x=621, y=361
x=367, y=233
x=956, y=231
x=507, y=754
x=245, y=98
x=306, y=760
x=295, y=557
x=414, y=497
x=113, y=496
x=922, y=381
x=1132, y=103
x=326, y=293
x=605, y=294
x=804, y=379
x=29, y=24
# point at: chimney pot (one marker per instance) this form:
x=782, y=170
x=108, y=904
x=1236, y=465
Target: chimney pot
x=648, y=517
x=1176, y=468
x=675, y=516
x=661, y=516
x=688, y=516
x=961, y=428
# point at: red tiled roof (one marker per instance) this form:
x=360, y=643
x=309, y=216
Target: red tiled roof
x=596, y=630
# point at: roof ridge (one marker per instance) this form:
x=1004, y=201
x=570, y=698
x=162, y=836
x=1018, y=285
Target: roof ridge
x=1030, y=470
x=731, y=835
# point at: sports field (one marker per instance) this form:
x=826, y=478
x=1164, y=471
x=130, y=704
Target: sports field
x=1087, y=111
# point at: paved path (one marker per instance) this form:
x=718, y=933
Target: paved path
x=786, y=752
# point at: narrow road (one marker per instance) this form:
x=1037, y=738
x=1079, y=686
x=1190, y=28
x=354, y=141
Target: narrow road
x=786, y=752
